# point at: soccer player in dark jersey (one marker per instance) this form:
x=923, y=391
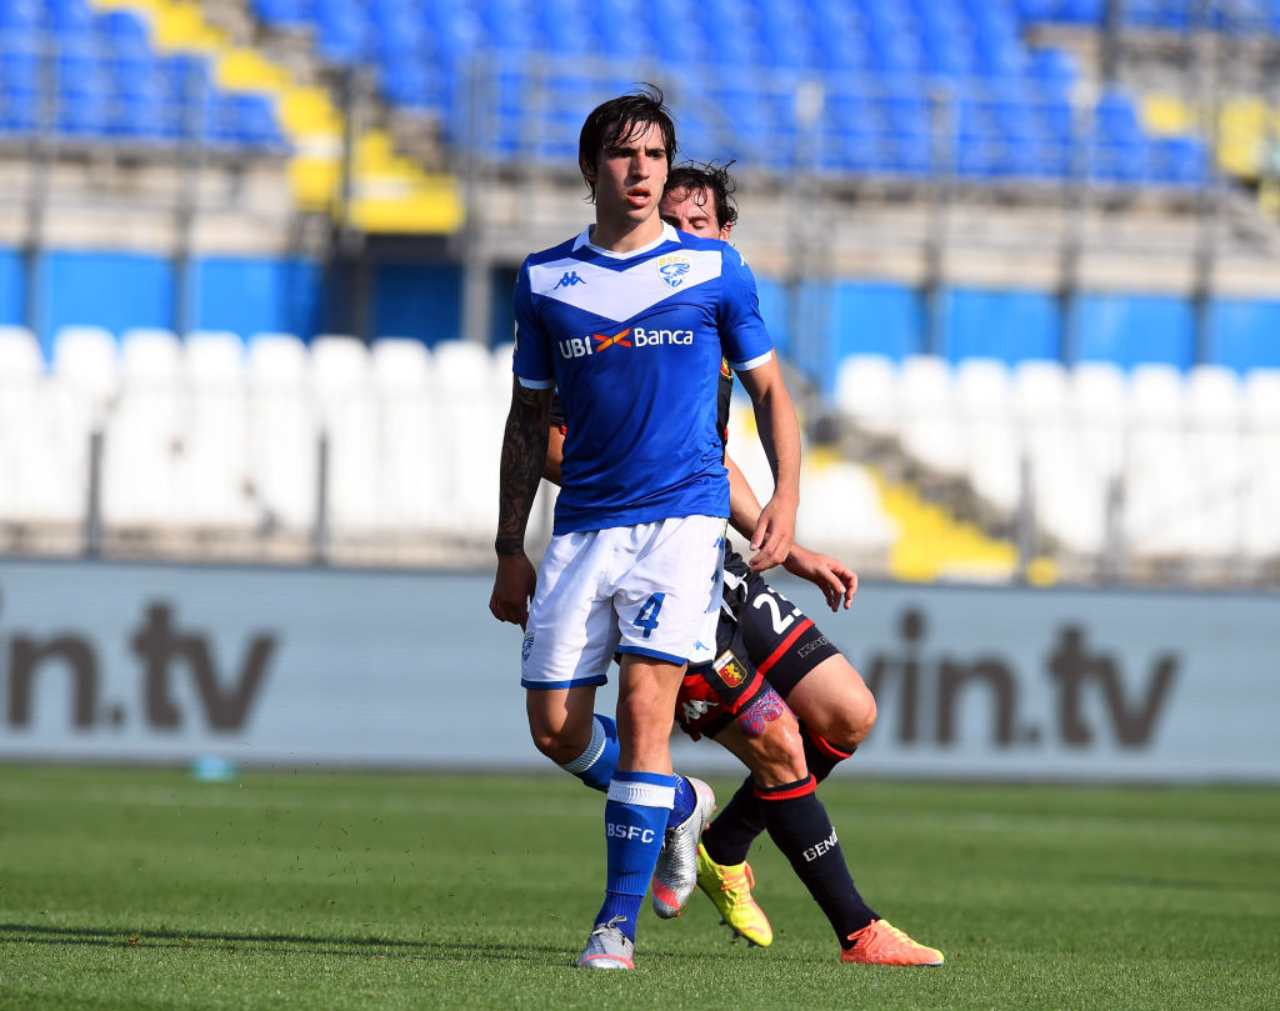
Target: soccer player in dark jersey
x=773, y=665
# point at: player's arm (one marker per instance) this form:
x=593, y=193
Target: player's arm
x=524, y=455
x=775, y=530
x=836, y=580
x=747, y=346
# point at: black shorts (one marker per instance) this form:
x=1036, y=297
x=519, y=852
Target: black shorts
x=781, y=641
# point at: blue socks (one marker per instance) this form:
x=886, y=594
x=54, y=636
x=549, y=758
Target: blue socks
x=686, y=800
x=635, y=823
x=595, y=765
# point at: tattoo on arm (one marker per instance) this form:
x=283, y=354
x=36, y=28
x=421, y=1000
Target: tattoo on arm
x=524, y=453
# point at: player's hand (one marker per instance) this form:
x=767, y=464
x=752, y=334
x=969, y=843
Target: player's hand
x=774, y=535
x=836, y=580
x=513, y=588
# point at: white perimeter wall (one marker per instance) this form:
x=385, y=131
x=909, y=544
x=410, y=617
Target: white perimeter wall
x=107, y=661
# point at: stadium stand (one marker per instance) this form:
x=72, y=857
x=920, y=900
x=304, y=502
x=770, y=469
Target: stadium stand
x=891, y=77
x=213, y=448
x=111, y=85
x=1185, y=461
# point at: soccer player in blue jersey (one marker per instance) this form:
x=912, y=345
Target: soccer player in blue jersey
x=780, y=696
x=630, y=321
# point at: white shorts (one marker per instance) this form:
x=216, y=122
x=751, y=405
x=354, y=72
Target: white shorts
x=652, y=590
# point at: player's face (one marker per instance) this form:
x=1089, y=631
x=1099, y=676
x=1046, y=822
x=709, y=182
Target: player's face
x=631, y=175
x=693, y=211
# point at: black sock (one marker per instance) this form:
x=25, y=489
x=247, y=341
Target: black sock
x=800, y=827
x=728, y=839
x=820, y=754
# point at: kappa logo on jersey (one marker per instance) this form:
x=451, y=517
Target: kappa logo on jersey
x=731, y=671
x=526, y=647
x=568, y=280
x=673, y=269
x=631, y=337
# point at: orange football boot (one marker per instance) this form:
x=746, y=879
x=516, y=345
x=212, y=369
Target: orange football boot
x=881, y=943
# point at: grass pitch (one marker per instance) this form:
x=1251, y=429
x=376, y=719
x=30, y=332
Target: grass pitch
x=144, y=889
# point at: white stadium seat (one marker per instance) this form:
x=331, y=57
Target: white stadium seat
x=474, y=416
x=19, y=352
x=400, y=362
x=840, y=508
x=1262, y=450
x=283, y=432
x=413, y=435
x=211, y=357
x=930, y=429
x=215, y=461
x=150, y=355
x=342, y=379
x=142, y=450
x=866, y=390
x=35, y=484
x=1039, y=391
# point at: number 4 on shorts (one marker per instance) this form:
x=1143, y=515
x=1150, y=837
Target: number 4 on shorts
x=648, y=616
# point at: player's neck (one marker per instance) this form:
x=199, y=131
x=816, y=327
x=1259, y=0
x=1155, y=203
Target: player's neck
x=624, y=235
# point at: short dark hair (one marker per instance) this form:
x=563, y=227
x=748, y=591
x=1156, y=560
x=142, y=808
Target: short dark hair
x=619, y=119
x=713, y=178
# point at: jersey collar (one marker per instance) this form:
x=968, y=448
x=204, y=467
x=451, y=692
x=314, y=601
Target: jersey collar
x=669, y=234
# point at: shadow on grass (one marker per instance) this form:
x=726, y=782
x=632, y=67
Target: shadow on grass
x=353, y=946
x=298, y=944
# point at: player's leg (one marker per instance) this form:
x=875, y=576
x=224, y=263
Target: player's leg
x=784, y=646
x=567, y=648
x=566, y=728
x=835, y=705
x=640, y=799
x=836, y=711
x=766, y=737
x=667, y=582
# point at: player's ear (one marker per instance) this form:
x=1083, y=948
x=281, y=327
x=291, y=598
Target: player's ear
x=724, y=232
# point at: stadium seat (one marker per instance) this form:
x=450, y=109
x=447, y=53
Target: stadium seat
x=284, y=433
x=214, y=469
x=412, y=424
x=86, y=360
x=840, y=507
x=463, y=387
x=150, y=355
x=342, y=379
x=1216, y=451
x=1262, y=492
x=421, y=52
x=930, y=432
x=34, y=483
x=866, y=388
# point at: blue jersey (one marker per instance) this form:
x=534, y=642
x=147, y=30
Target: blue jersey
x=633, y=341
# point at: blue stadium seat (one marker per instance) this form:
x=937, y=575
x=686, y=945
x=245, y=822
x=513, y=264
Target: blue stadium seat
x=1020, y=124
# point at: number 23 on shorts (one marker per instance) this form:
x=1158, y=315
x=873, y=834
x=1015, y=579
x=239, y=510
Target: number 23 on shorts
x=648, y=616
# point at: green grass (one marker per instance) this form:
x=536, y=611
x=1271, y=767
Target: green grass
x=143, y=889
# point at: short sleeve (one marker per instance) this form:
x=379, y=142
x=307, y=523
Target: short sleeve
x=532, y=361
x=743, y=335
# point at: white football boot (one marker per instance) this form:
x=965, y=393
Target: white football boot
x=608, y=948
x=676, y=875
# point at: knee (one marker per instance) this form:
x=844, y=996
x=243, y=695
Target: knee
x=852, y=719
x=560, y=740
x=779, y=753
